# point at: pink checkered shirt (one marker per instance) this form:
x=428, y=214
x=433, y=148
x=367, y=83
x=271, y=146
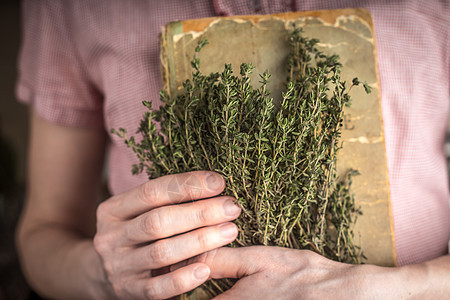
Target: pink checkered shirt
x=86, y=62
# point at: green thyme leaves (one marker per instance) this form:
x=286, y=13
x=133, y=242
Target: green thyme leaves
x=279, y=161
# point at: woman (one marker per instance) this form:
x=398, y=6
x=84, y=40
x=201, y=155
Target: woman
x=85, y=66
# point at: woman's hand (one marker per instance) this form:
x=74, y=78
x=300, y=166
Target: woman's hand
x=157, y=225
x=281, y=273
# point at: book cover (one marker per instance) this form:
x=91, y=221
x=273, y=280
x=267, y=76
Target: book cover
x=263, y=41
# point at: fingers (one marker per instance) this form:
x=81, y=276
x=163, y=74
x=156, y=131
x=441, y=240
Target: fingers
x=166, y=190
x=174, y=283
x=228, y=262
x=170, y=220
x=170, y=251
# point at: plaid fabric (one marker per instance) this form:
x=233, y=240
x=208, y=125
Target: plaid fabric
x=85, y=63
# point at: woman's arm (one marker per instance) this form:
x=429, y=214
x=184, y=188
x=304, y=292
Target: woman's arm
x=54, y=236
x=281, y=273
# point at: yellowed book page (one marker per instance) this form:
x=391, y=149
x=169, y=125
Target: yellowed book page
x=263, y=41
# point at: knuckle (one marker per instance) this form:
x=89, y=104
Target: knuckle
x=207, y=257
x=179, y=284
x=310, y=258
x=102, y=211
x=151, y=292
x=100, y=244
x=152, y=223
x=193, y=186
x=97, y=243
x=158, y=253
x=108, y=266
x=120, y=287
x=103, y=247
x=147, y=192
x=206, y=214
x=202, y=240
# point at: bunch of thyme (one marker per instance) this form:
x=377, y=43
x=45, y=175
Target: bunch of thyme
x=279, y=161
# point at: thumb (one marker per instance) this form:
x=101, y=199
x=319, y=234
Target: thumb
x=228, y=262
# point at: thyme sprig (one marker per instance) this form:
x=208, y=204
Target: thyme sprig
x=279, y=162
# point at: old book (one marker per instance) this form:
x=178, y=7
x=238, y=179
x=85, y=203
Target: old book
x=262, y=40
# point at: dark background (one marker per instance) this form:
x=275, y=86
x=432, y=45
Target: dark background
x=13, y=144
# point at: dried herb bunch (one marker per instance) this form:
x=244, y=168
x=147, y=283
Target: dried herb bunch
x=279, y=161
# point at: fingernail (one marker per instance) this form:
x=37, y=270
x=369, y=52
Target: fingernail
x=213, y=181
x=227, y=230
x=230, y=208
x=201, y=272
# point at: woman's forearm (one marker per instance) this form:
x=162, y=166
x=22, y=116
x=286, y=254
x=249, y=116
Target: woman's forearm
x=54, y=236
x=430, y=280
x=60, y=263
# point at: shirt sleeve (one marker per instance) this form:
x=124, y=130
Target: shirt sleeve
x=52, y=77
